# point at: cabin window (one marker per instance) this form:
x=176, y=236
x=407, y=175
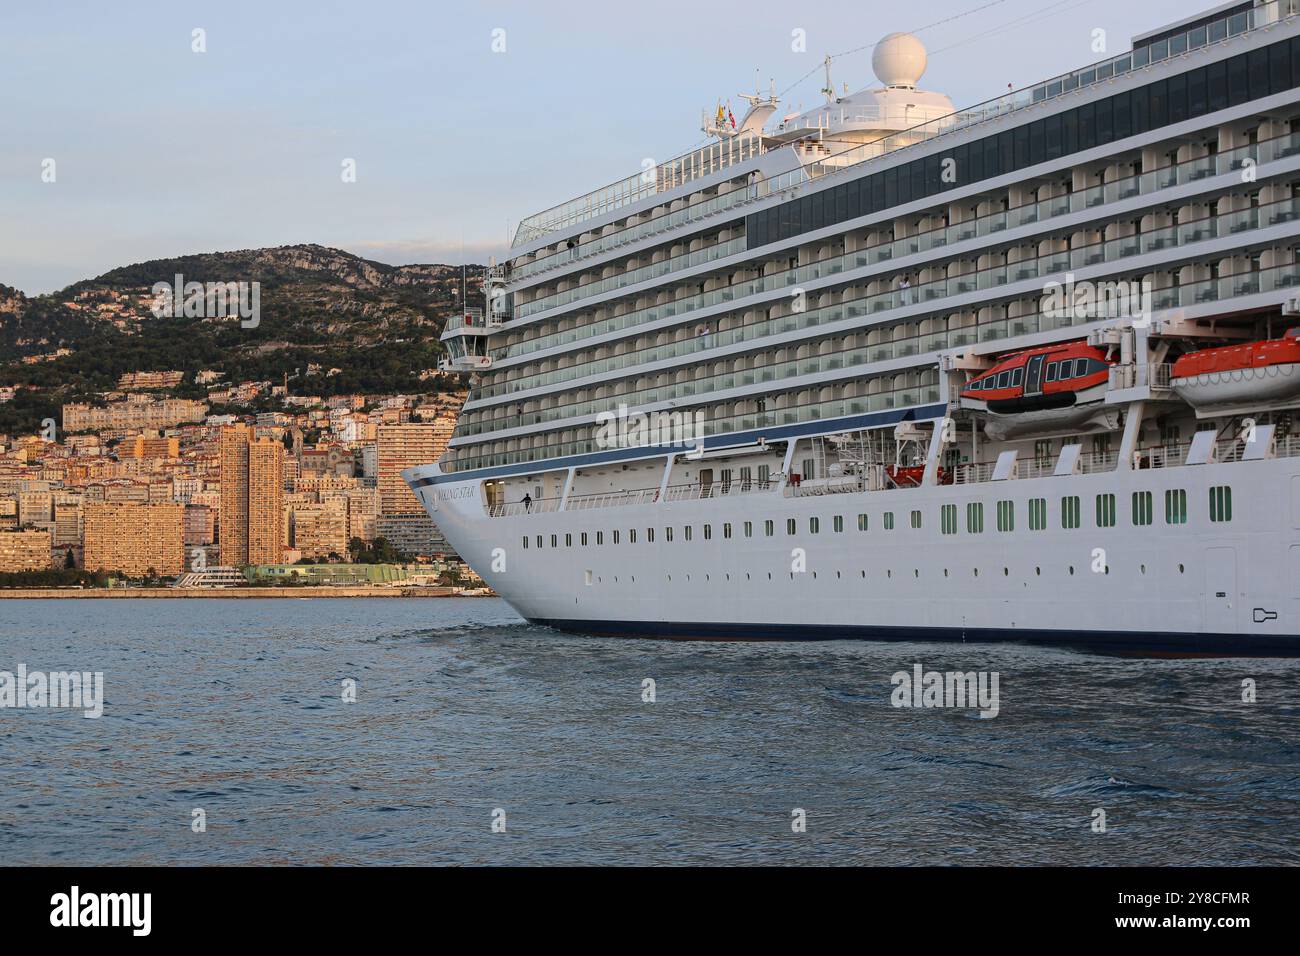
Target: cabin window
x=539, y=540
x=1066, y=370
x=1004, y=379
x=790, y=527
x=749, y=529
x=631, y=536
x=1176, y=506
x=708, y=532
x=616, y=537
x=1006, y=516
x=650, y=535
x=889, y=521
x=838, y=523
x=1070, y=511
x=525, y=542
x=600, y=538
x=686, y=532
x=769, y=528
x=1105, y=511
x=555, y=541
x=1052, y=369
x=1037, y=514
x=568, y=540
x=975, y=517
x=916, y=519
x=1017, y=376
x=948, y=519
x=1141, y=508
x=814, y=525
x=583, y=538
x=764, y=475
x=1043, y=452
x=668, y=534
x=746, y=478
x=862, y=522
x=1221, y=503
x=726, y=529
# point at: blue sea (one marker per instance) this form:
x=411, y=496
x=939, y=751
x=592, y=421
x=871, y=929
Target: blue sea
x=476, y=738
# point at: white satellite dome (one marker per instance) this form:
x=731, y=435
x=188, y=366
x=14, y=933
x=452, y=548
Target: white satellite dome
x=899, y=60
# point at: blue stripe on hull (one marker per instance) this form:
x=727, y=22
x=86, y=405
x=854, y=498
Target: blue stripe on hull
x=1144, y=643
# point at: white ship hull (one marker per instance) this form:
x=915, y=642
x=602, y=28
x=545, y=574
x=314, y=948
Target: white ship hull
x=1192, y=588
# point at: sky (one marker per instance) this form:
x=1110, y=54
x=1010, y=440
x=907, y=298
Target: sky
x=460, y=118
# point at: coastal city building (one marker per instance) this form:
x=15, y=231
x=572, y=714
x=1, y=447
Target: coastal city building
x=24, y=550
x=252, y=497
x=135, y=539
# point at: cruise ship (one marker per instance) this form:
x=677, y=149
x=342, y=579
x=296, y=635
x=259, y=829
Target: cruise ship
x=896, y=370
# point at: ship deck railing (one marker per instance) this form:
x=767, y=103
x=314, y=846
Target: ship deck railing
x=872, y=478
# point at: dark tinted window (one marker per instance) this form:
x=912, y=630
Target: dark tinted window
x=1238, y=85
x=1177, y=98
x=1196, y=93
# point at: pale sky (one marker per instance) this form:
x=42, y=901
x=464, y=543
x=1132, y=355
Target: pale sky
x=162, y=151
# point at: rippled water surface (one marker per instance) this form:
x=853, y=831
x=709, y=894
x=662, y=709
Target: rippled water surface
x=234, y=707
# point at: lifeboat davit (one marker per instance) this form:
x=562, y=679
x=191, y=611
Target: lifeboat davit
x=1252, y=375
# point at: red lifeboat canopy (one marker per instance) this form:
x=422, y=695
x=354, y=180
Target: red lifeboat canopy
x=1051, y=375
x=1231, y=358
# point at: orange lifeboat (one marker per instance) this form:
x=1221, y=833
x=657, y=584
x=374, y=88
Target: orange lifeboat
x=1255, y=374
x=1051, y=377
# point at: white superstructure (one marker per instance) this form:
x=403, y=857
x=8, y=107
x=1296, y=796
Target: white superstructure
x=888, y=369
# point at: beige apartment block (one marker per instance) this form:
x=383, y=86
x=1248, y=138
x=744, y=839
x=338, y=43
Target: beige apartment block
x=24, y=550
x=403, y=446
x=320, y=530
x=132, y=538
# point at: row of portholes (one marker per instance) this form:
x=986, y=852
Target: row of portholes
x=889, y=573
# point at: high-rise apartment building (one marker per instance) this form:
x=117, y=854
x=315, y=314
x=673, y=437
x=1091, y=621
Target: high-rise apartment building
x=400, y=446
x=252, y=498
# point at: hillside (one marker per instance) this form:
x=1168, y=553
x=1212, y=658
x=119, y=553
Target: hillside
x=376, y=324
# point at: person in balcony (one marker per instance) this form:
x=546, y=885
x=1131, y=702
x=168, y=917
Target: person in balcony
x=528, y=502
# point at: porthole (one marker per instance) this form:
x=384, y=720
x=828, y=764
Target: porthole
x=1006, y=572
x=916, y=572
x=1181, y=569
x=889, y=573
x=1038, y=572
x=1143, y=569
x=975, y=571
x=1072, y=569
x=864, y=575
x=945, y=572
